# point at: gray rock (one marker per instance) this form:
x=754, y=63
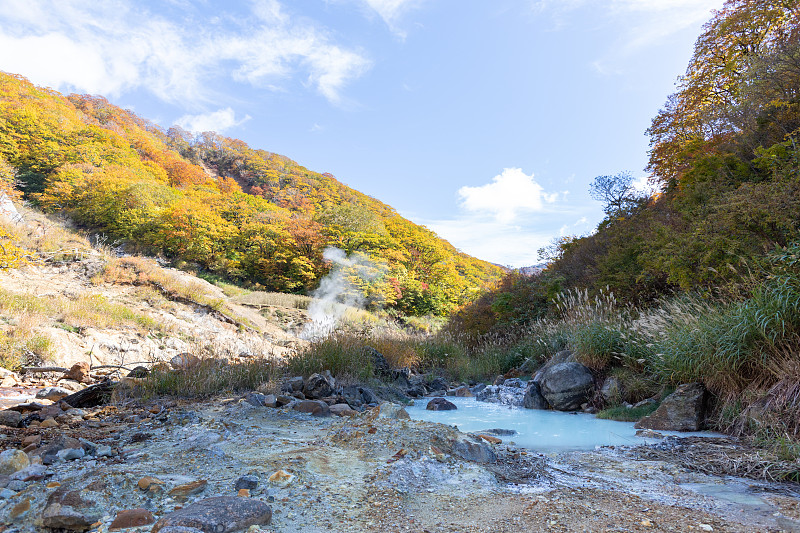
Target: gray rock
x=612, y=391
x=249, y=482
x=314, y=407
x=683, y=410
x=5, y=479
x=104, y=450
x=477, y=452
x=514, y=382
x=180, y=529
x=528, y=367
x=220, y=514
x=295, y=384
x=566, y=386
x=477, y=388
x=513, y=396
x=437, y=384
x=67, y=509
x=533, y=398
x=342, y=409
x=7, y=493
x=317, y=386
x=16, y=485
x=380, y=366
x=462, y=392
x=10, y=418
x=70, y=454
x=29, y=472
x=52, y=393
x=499, y=431
x=440, y=404
x=416, y=391
x=564, y=356
x=89, y=447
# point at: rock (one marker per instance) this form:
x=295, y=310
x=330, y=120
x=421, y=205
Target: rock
x=49, y=452
x=49, y=423
x=243, y=493
x=533, y=398
x=256, y=398
x=184, y=360
x=7, y=493
x=92, y=396
x=477, y=388
x=477, y=452
x=342, y=409
x=392, y=411
x=437, y=384
x=10, y=419
x=295, y=384
x=220, y=514
x=566, y=386
x=79, y=372
x=29, y=472
x=66, y=509
x=440, y=404
x=611, y=391
x=281, y=477
x=683, y=410
x=20, y=509
x=104, y=450
x=317, y=386
x=416, y=391
x=246, y=482
x=462, y=392
x=380, y=366
x=182, y=492
x=282, y=400
x=498, y=431
x=564, y=356
x=369, y=396
x=315, y=407
x=70, y=454
x=181, y=529
x=491, y=439
x=52, y=393
x=16, y=485
x=498, y=380
x=513, y=396
x=148, y=482
x=139, y=372
x=131, y=518
x=514, y=382
x=12, y=461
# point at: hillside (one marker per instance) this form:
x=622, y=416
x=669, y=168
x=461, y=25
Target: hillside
x=215, y=204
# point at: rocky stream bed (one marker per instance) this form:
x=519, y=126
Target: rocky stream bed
x=226, y=465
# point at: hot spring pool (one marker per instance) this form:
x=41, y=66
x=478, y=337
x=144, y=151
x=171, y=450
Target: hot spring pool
x=536, y=429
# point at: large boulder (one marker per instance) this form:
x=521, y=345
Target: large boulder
x=220, y=514
x=317, y=386
x=533, y=398
x=566, y=386
x=683, y=410
x=314, y=407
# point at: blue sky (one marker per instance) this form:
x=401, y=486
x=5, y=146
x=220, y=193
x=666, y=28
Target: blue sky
x=484, y=120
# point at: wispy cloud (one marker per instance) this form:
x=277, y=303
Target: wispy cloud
x=219, y=121
x=507, y=195
x=645, y=22
x=116, y=46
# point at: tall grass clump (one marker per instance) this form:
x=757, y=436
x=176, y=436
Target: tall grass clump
x=344, y=353
x=210, y=377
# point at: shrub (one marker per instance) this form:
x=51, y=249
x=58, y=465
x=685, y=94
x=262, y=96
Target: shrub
x=210, y=377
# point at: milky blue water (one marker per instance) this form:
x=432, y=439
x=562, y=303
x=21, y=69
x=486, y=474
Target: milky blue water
x=536, y=429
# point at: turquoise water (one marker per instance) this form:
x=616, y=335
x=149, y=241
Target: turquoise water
x=536, y=429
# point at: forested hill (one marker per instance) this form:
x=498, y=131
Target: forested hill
x=242, y=213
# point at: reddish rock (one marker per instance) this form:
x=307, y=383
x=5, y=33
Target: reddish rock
x=132, y=518
x=79, y=372
x=181, y=492
x=342, y=409
x=315, y=407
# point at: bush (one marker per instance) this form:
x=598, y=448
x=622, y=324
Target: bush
x=208, y=378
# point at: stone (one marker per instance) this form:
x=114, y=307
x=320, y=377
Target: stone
x=49, y=423
x=249, y=482
x=438, y=384
x=20, y=509
x=295, y=384
x=7, y=493
x=70, y=454
x=31, y=472
x=243, y=493
x=392, y=411
x=416, y=391
x=131, y=518
x=514, y=382
x=564, y=356
x=533, y=398
x=490, y=438
x=611, y=391
x=440, y=404
x=66, y=509
x=342, y=409
x=104, y=450
x=220, y=514
x=16, y=485
x=180, y=529
x=10, y=419
x=79, y=372
x=380, y=365
x=12, y=461
x=139, y=372
x=683, y=410
x=477, y=452
x=314, y=407
x=184, y=360
x=147, y=482
x=462, y=392
x=528, y=367
x=52, y=393
x=317, y=386
x=281, y=477
x=270, y=400
x=498, y=380
x=649, y=434
x=282, y=400
x=182, y=492
x=256, y=398
x=566, y=386
x=49, y=452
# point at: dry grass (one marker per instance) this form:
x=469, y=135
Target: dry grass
x=274, y=299
x=22, y=344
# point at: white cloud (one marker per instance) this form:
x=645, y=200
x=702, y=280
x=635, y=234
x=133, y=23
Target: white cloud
x=509, y=193
x=218, y=121
x=115, y=46
x=392, y=11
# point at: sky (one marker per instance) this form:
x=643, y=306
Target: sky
x=484, y=120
